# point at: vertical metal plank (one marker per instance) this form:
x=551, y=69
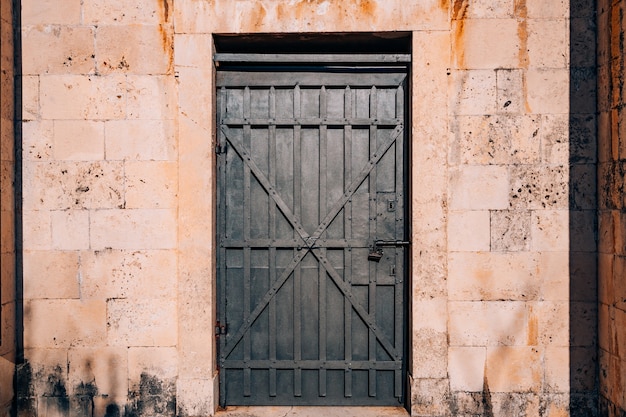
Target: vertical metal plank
x=347, y=314
x=373, y=265
x=297, y=208
x=400, y=285
x=323, y=145
x=272, y=250
x=247, y=206
x=221, y=106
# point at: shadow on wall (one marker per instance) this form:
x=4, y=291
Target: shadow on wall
x=583, y=210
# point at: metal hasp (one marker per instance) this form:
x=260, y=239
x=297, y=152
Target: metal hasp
x=376, y=252
x=312, y=171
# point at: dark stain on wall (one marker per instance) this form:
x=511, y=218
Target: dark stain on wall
x=152, y=397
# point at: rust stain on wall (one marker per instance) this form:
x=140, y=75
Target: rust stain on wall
x=521, y=13
x=165, y=9
x=367, y=7
x=533, y=329
x=256, y=19
x=459, y=12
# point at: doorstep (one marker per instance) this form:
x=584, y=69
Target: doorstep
x=233, y=411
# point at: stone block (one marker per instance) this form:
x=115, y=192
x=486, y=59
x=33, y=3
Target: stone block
x=548, y=90
x=37, y=139
x=583, y=41
x=466, y=368
x=58, y=50
x=430, y=397
x=153, y=97
x=469, y=231
x=30, y=97
x=44, y=373
x=486, y=43
x=120, y=12
x=196, y=342
x=70, y=229
x=489, y=323
x=549, y=320
x=583, y=179
x=429, y=354
x=148, y=322
x=7, y=285
x=513, y=404
x=37, y=230
x=7, y=370
x=584, y=324
x=606, y=231
x=539, y=187
x=557, y=369
x=258, y=16
x=605, y=341
x=486, y=9
x=51, y=12
x=140, y=140
x=619, y=283
x=554, y=275
x=494, y=188
x=472, y=92
x=151, y=184
x=550, y=231
x=583, y=368
x=7, y=179
x=134, y=49
x=7, y=329
x=583, y=90
x=7, y=147
x=604, y=137
x=606, y=282
x=98, y=371
x=583, y=226
x=50, y=274
x=541, y=10
x=193, y=50
x=83, y=97
x=510, y=230
x=78, y=140
x=133, y=229
x=513, y=369
x=548, y=43
x=195, y=397
x=430, y=315
x=64, y=323
x=195, y=97
x=73, y=185
x=162, y=361
x=429, y=274
x=510, y=91
x=128, y=274
x=555, y=139
x=492, y=276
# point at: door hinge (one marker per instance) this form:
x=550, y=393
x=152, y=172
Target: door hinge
x=220, y=149
x=219, y=329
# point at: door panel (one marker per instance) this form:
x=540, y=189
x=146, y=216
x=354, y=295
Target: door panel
x=311, y=173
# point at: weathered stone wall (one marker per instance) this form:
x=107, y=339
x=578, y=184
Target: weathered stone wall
x=612, y=207
x=7, y=210
x=119, y=200
x=101, y=234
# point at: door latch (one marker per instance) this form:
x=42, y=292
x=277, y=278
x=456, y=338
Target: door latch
x=376, y=251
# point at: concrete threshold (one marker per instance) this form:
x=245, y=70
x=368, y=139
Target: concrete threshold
x=312, y=412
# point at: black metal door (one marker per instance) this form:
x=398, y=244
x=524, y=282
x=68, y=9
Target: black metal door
x=311, y=232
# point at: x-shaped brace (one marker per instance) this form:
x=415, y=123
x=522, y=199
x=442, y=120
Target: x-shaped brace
x=309, y=240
